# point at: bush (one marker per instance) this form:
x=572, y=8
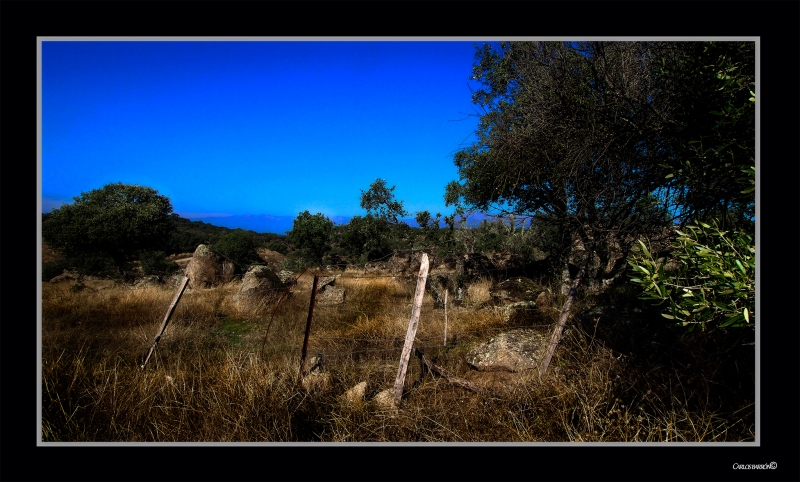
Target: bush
x=240, y=247
x=155, y=262
x=278, y=246
x=713, y=282
x=310, y=236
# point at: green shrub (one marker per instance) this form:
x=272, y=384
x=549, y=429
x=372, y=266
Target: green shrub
x=713, y=283
x=278, y=245
x=51, y=269
x=155, y=262
x=240, y=247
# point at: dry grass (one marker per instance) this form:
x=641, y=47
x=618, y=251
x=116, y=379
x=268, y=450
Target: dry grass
x=210, y=380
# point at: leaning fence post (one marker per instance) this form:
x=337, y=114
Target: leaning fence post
x=308, y=324
x=412, y=330
x=163, y=327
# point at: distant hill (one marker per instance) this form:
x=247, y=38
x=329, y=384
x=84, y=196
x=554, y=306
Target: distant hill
x=265, y=223
x=260, y=223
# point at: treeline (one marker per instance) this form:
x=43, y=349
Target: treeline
x=93, y=239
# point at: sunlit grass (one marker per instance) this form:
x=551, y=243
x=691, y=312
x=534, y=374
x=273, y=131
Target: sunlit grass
x=218, y=375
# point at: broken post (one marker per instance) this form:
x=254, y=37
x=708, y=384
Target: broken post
x=412, y=330
x=163, y=327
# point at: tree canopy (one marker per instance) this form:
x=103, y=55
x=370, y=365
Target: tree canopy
x=588, y=137
x=311, y=235
x=117, y=220
x=240, y=246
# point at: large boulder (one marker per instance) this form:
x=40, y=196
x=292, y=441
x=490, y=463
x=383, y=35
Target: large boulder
x=207, y=269
x=327, y=291
x=260, y=287
x=513, y=351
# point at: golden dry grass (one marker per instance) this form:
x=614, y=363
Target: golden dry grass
x=217, y=375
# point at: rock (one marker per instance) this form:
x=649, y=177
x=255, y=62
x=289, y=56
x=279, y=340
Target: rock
x=512, y=351
x=356, y=394
x=331, y=296
x=385, y=401
x=286, y=276
x=207, y=269
x=515, y=289
x=324, y=282
x=313, y=363
x=66, y=275
x=148, y=281
x=316, y=381
x=544, y=298
x=407, y=263
x=259, y=288
x=519, y=312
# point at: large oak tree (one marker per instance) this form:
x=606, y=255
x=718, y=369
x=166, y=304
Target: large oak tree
x=117, y=220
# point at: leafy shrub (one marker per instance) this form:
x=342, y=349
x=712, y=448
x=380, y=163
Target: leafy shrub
x=310, y=236
x=51, y=269
x=155, y=262
x=713, y=281
x=278, y=246
x=240, y=247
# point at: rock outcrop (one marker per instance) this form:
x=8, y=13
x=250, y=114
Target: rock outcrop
x=207, y=269
x=327, y=291
x=512, y=351
x=260, y=287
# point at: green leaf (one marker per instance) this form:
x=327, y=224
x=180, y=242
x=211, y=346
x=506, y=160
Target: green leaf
x=746, y=314
x=669, y=317
x=670, y=175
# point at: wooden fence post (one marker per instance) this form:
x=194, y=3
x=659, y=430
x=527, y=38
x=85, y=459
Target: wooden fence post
x=412, y=330
x=445, y=318
x=163, y=327
x=308, y=323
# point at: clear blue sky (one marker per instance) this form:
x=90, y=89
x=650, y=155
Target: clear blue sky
x=256, y=127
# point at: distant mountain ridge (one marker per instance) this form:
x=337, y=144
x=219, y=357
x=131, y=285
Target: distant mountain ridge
x=265, y=223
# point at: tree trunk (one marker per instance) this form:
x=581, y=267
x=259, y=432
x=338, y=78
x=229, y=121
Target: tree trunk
x=562, y=320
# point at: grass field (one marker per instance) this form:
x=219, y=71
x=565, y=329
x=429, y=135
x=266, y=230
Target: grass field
x=217, y=375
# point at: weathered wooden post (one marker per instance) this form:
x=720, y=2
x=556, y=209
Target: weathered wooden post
x=163, y=327
x=412, y=330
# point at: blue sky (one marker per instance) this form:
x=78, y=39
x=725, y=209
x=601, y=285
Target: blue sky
x=256, y=127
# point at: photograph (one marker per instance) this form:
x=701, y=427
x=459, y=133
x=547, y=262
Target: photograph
x=504, y=241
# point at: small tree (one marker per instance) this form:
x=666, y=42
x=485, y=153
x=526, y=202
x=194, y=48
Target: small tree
x=115, y=221
x=311, y=236
x=379, y=201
